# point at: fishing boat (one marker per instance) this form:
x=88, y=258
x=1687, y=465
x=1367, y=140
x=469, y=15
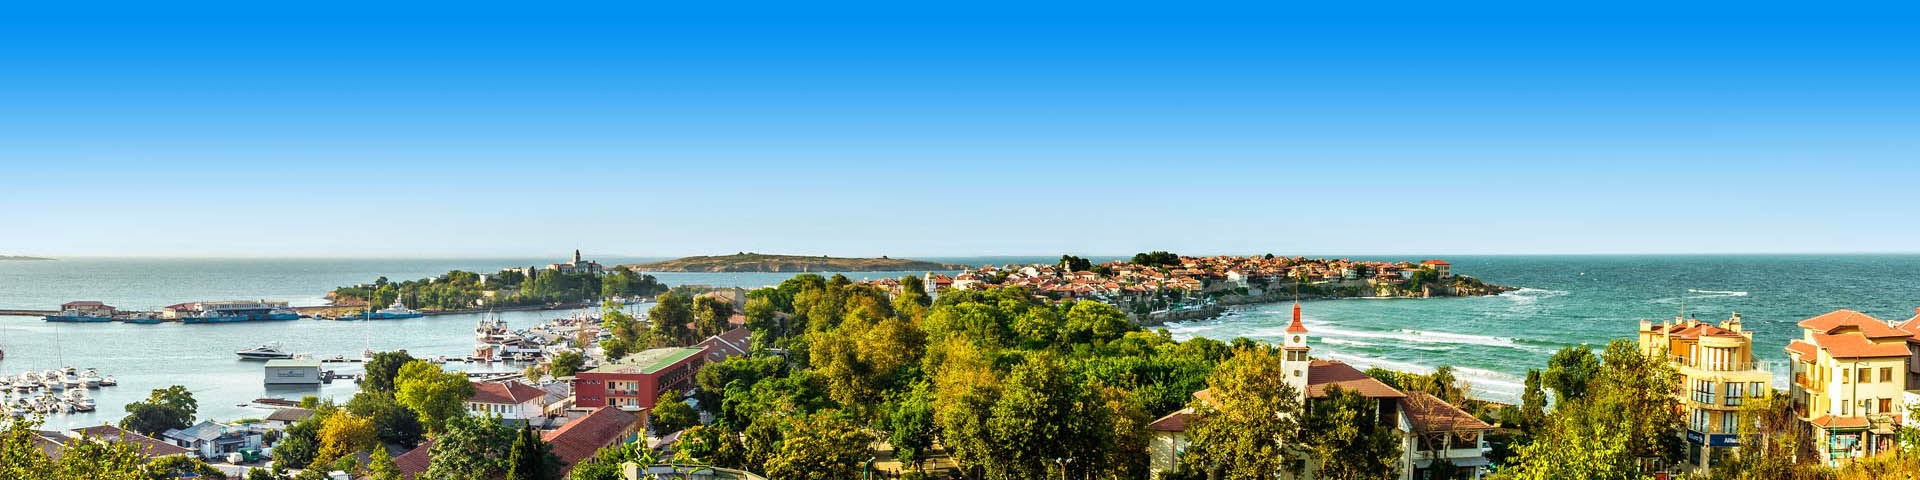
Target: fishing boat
x=393, y=312
x=142, y=318
x=282, y=314
x=269, y=351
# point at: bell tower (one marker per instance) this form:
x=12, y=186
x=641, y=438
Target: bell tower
x=1296, y=361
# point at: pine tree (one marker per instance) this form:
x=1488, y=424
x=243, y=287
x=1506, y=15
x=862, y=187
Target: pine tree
x=529, y=460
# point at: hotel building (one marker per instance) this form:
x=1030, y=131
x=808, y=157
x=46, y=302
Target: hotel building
x=1719, y=375
x=1850, y=378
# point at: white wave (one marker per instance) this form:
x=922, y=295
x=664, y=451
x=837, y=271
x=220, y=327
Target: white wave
x=1530, y=292
x=1488, y=383
x=1718, y=293
x=1342, y=341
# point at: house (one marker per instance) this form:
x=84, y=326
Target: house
x=293, y=372
x=580, y=439
x=1439, y=266
x=282, y=418
x=735, y=342
x=1719, y=373
x=149, y=446
x=87, y=307
x=514, y=402
x=637, y=381
x=576, y=266
x=1429, y=428
x=414, y=462
x=1848, y=370
x=210, y=439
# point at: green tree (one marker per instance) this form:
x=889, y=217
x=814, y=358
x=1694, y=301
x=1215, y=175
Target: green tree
x=164, y=409
x=1533, y=403
x=392, y=422
x=182, y=467
x=300, y=444
x=1095, y=322
x=913, y=291
x=344, y=434
x=909, y=423
x=382, y=369
x=566, y=363
x=1569, y=371
x=605, y=463
x=1250, y=429
x=820, y=445
x=433, y=394
x=672, y=414
x=763, y=320
x=670, y=317
x=711, y=314
x=1074, y=264
x=532, y=458
x=470, y=448
x=381, y=467
x=704, y=445
x=1350, y=438
x=1628, y=412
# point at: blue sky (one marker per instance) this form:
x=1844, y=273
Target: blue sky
x=912, y=128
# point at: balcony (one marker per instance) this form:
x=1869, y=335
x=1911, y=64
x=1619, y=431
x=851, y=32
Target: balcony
x=1809, y=384
x=1723, y=366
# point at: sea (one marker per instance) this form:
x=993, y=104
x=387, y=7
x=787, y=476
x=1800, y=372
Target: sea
x=1562, y=301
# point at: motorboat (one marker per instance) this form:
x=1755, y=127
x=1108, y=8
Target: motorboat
x=109, y=381
x=90, y=378
x=80, y=401
x=73, y=382
x=269, y=351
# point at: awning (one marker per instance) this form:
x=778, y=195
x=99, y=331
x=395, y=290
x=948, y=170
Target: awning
x=1475, y=461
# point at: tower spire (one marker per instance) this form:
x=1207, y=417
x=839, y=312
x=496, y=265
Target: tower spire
x=1296, y=326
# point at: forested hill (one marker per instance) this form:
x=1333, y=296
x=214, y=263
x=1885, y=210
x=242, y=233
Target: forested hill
x=756, y=262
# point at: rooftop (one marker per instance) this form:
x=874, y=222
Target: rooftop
x=1431, y=414
x=1322, y=373
x=293, y=363
x=579, y=439
x=505, y=393
x=650, y=361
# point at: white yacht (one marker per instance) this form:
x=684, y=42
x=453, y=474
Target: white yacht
x=72, y=381
x=265, y=352
x=80, y=401
x=109, y=381
x=90, y=378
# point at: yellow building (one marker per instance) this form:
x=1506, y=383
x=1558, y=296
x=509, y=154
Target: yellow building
x=1720, y=375
x=1850, y=374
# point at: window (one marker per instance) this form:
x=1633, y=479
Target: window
x=1886, y=404
x=1734, y=393
x=1886, y=374
x=1699, y=421
x=1845, y=375
x=1846, y=409
x=1729, y=422
x=1755, y=389
x=1866, y=375
x=1703, y=391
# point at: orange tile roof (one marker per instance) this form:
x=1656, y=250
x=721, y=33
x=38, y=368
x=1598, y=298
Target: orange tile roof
x=1837, y=319
x=1322, y=373
x=1850, y=345
x=1431, y=414
x=1829, y=421
x=1806, y=350
x=1173, y=422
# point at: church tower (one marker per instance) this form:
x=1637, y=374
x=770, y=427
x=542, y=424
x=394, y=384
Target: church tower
x=576, y=256
x=1295, y=350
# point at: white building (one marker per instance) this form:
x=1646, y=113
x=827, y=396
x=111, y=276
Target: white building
x=512, y=401
x=293, y=372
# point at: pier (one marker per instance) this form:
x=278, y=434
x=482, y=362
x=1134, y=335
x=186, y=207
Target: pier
x=27, y=313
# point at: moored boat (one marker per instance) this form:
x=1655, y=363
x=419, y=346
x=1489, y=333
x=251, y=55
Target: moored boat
x=395, y=311
x=269, y=351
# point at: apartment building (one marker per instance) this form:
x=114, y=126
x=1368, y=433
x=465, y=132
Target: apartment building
x=1850, y=378
x=1719, y=375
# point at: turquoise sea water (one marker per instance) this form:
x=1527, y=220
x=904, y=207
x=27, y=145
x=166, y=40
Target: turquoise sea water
x=1565, y=300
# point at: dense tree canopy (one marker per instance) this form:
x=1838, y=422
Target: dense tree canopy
x=434, y=394
x=164, y=409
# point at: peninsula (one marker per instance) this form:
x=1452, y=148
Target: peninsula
x=21, y=257
x=759, y=262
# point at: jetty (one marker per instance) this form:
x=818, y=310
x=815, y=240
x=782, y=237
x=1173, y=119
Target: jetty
x=27, y=313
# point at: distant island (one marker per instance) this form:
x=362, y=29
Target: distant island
x=21, y=257
x=759, y=262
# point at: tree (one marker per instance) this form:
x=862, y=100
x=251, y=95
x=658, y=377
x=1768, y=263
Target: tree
x=913, y=291
x=566, y=363
x=704, y=445
x=1074, y=264
x=763, y=320
x=471, y=447
x=1533, y=403
x=865, y=355
x=382, y=369
x=627, y=333
x=1569, y=371
x=605, y=463
x=712, y=315
x=1626, y=412
x=433, y=394
x=908, y=421
x=176, y=466
x=392, y=422
x=164, y=409
x=300, y=444
x=1156, y=258
x=344, y=434
x=1095, y=322
x=1250, y=429
x=381, y=467
x=21, y=458
x=820, y=445
x=531, y=458
x=670, y=317
x=1350, y=438
x=672, y=414
x=1772, y=444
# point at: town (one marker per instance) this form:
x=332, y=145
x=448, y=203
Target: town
x=920, y=377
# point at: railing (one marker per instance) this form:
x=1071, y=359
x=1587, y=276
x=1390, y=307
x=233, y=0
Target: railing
x=1809, y=384
x=1721, y=366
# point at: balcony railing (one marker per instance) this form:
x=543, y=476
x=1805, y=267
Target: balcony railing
x=1720, y=366
x=1809, y=384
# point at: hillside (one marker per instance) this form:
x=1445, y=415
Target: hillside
x=756, y=262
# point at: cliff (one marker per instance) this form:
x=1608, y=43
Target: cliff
x=756, y=262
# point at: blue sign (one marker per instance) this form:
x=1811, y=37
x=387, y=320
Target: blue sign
x=1696, y=437
x=1723, y=440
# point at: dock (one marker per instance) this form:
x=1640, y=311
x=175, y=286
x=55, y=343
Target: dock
x=27, y=313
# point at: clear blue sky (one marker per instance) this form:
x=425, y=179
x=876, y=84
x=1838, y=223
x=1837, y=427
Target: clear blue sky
x=969, y=128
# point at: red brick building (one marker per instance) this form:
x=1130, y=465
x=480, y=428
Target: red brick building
x=637, y=381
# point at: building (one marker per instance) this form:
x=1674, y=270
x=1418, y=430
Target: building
x=88, y=307
x=282, y=418
x=576, y=266
x=293, y=372
x=1440, y=267
x=514, y=402
x=210, y=440
x=581, y=438
x=1850, y=374
x=149, y=446
x=1719, y=374
x=1430, y=429
x=735, y=342
x=636, y=382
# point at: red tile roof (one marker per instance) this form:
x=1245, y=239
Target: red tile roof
x=1806, y=350
x=1829, y=421
x=150, y=446
x=580, y=438
x=1435, y=262
x=414, y=462
x=1839, y=319
x=1321, y=373
x=1431, y=414
x=1173, y=422
x=505, y=393
x=1850, y=345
